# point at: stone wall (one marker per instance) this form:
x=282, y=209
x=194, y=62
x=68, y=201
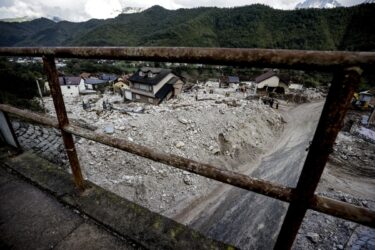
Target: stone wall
x=44, y=141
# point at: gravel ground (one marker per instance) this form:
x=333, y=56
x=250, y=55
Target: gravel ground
x=216, y=129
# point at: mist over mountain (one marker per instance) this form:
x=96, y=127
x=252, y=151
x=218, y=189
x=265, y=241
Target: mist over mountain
x=321, y=4
x=254, y=26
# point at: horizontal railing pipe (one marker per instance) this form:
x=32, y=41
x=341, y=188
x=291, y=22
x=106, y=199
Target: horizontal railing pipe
x=32, y=116
x=235, y=179
x=277, y=58
x=343, y=210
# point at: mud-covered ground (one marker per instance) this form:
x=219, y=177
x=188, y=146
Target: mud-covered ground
x=225, y=131
x=232, y=133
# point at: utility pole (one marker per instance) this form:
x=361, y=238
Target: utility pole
x=40, y=94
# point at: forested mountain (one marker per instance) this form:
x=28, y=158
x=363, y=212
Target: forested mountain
x=249, y=26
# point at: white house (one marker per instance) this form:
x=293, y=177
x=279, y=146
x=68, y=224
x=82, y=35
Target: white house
x=269, y=82
x=71, y=85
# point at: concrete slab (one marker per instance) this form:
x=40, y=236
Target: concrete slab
x=119, y=215
x=38, y=170
x=90, y=236
x=30, y=219
x=33, y=219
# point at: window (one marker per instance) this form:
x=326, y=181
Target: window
x=136, y=85
x=145, y=87
x=137, y=97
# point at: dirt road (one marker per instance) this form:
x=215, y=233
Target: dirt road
x=252, y=221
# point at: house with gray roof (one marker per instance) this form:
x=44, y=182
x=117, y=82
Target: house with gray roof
x=153, y=85
x=71, y=85
x=229, y=81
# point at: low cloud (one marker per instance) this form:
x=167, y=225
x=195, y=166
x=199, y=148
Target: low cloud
x=81, y=10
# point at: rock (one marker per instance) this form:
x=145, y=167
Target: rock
x=182, y=120
x=314, y=237
x=109, y=129
x=180, y=144
x=188, y=180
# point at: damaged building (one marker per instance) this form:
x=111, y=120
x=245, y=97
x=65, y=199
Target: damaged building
x=153, y=85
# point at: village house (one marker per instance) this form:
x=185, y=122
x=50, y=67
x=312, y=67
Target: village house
x=229, y=81
x=71, y=85
x=100, y=82
x=121, y=84
x=153, y=85
x=270, y=82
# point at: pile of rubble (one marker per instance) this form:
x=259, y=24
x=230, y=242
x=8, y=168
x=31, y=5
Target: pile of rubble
x=353, y=155
x=319, y=231
x=213, y=128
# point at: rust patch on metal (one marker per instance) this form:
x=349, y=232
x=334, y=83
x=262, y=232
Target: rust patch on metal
x=343, y=210
x=62, y=117
x=280, y=58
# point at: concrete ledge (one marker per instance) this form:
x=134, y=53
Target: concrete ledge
x=118, y=214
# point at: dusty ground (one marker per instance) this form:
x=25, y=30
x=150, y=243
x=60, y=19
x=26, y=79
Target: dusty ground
x=224, y=131
x=232, y=133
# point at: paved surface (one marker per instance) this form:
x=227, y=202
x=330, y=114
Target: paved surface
x=32, y=219
x=44, y=141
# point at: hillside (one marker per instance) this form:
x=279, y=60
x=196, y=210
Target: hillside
x=250, y=26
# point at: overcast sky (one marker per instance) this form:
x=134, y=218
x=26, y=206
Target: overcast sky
x=81, y=10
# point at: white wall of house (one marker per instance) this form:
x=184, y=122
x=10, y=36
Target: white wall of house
x=81, y=85
x=158, y=86
x=70, y=90
x=128, y=94
x=296, y=86
x=89, y=86
x=270, y=82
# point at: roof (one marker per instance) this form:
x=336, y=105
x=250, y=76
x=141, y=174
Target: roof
x=95, y=81
x=173, y=80
x=163, y=92
x=233, y=79
x=107, y=77
x=69, y=80
x=159, y=75
x=265, y=76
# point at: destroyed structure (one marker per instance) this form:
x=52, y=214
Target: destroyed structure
x=153, y=85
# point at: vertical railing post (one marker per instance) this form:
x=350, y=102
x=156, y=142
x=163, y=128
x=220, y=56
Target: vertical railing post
x=62, y=117
x=337, y=103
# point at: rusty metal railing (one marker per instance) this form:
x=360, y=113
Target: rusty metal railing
x=347, y=67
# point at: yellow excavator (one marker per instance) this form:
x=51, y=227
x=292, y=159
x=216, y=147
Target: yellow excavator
x=362, y=100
